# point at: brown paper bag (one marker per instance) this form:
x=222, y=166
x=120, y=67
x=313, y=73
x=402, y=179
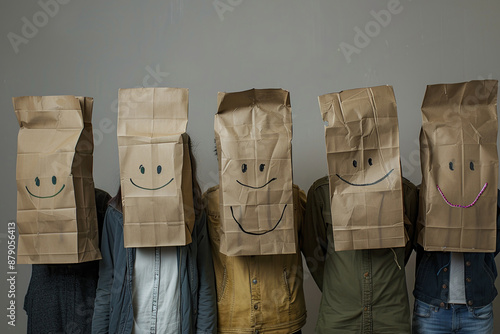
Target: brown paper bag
x=56, y=213
x=362, y=148
x=458, y=153
x=253, y=132
x=155, y=168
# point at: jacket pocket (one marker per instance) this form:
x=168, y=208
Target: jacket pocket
x=422, y=310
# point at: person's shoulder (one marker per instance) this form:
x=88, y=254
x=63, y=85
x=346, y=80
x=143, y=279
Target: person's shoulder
x=212, y=191
x=113, y=215
x=320, y=183
x=408, y=185
x=211, y=200
x=101, y=198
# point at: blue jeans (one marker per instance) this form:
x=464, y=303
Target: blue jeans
x=429, y=319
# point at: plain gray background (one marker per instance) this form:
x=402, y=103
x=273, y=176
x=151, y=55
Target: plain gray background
x=93, y=48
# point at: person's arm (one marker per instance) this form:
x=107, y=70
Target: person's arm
x=314, y=241
x=207, y=307
x=100, y=319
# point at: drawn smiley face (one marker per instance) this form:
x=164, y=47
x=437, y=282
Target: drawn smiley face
x=451, y=167
x=38, y=184
x=142, y=170
x=370, y=162
x=244, y=169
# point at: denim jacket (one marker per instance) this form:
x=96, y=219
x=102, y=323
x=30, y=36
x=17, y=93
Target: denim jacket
x=433, y=275
x=113, y=305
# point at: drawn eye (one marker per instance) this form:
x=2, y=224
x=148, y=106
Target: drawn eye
x=451, y=166
x=142, y=169
x=54, y=179
x=37, y=181
x=244, y=168
x=370, y=161
x=158, y=169
x=471, y=165
x=261, y=167
x=355, y=163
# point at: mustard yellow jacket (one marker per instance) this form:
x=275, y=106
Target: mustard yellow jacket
x=257, y=294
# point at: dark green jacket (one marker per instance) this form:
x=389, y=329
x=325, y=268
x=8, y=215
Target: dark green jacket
x=364, y=291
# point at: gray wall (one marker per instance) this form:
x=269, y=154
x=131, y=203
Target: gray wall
x=93, y=48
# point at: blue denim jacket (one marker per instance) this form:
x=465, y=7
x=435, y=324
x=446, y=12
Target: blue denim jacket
x=113, y=304
x=433, y=275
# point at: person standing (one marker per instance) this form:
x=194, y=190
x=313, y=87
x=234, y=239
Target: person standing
x=363, y=291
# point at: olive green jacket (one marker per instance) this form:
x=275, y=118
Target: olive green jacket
x=363, y=291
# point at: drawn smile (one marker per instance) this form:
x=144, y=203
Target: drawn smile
x=166, y=184
x=258, y=233
x=458, y=205
x=45, y=196
x=244, y=185
x=365, y=184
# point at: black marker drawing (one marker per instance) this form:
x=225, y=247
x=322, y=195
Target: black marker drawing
x=365, y=184
x=37, y=183
x=244, y=170
x=259, y=233
x=143, y=170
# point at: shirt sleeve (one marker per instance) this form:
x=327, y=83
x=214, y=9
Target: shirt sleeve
x=314, y=236
x=207, y=308
x=100, y=319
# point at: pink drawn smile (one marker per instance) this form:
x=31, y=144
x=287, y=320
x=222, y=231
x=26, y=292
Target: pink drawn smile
x=458, y=205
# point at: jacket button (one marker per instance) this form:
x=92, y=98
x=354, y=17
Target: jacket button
x=470, y=303
x=468, y=263
x=366, y=308
x=468, y=280
x=367, y=274
x=254, y=281
x=444, y=286
x=445, y=269
x=442, y=304
x=256, y=307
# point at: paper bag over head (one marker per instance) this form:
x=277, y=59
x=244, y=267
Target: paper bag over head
x=459, y=160
x=155, y=168
x=253, y=131
x=362, y=147
x=56, y=212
